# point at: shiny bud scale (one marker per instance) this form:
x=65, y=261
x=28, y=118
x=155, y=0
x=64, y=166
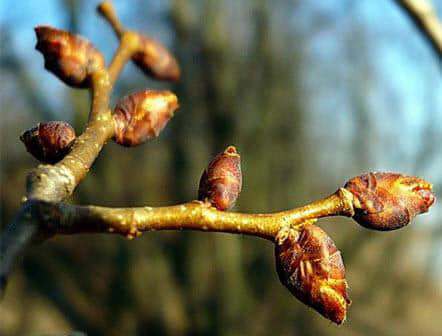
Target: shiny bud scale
x=70, y=57
x=388, y=201
x=142, y=115
x=155, y=60
x=220, y=183
x=310, y=266
x=49, y=142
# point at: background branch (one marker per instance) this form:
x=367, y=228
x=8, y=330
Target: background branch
x=424, y=17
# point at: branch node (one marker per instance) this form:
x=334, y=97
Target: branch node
x=347, y=202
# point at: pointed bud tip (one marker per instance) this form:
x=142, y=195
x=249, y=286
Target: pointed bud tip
x=231, y=150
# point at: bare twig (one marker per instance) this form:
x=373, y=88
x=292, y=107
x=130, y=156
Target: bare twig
x=64, y=218
x=107, y=11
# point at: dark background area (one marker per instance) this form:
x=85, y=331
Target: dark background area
x=311, y=93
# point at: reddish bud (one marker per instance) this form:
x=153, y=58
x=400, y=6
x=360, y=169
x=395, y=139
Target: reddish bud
x=221, y=182
x=311, y=267
x=70, y=57
x=388, y=201
x=142, y=115
x=156, y=61
x=50, y=141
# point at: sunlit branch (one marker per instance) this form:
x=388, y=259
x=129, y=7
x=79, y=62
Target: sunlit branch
x=424, y=17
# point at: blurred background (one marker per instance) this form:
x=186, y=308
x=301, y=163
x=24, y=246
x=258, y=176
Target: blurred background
x=311, y=93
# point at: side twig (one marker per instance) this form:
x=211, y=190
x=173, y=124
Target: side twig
x=55, y=183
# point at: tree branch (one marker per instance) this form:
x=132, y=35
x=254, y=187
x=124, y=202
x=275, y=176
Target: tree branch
x=195, y=215
x=39, y=219
x=424, y=17
x=55, y=183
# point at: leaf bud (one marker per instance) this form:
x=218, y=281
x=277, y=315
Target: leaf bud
x=310, y=266
x=388, y=201
x=70, y=57
x=221, y=182
x=155, y=60
x=142, y=115
x=50, y=141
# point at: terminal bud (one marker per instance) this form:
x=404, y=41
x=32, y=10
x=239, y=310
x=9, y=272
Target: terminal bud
x=50, y=141
x=142, y=115
x=70, y=57
x=310, y=266
x=220, y=183
x=388, y=201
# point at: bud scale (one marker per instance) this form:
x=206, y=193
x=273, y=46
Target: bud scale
x=220, y=183
x=142, y=115
x=49, y=142
x=70, y=57
x=310, y=266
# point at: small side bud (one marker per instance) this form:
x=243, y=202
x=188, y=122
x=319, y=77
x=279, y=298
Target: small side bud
x=142, y=115
x=388, y=201
x=310, y=266
x=49, y=142
x=156, y=61
x=221, y=182
x=70, y=57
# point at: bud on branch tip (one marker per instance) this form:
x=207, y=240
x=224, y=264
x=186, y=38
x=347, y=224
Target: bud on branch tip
x=142, y=115
x=70, y=57
x=388, y=201
x=49, y=142
x=310, y=266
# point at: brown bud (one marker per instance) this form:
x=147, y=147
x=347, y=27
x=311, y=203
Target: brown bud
x=388, y=201
x=50, y=141
x=311, y=267
x=142, y=115
x=70, y=57
x=156, y=61
x=220, y=183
